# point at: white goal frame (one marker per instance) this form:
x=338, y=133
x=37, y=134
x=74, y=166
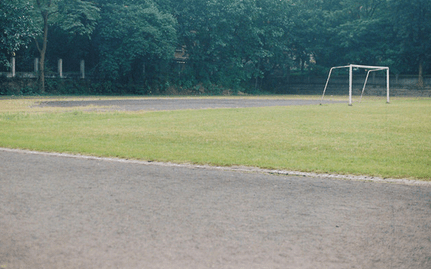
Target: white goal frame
x=351, y=66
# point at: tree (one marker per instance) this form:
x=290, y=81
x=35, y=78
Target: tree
x=275, y=26
x=232, y=42
x=313, y=32
x=365, y=35
x=134, y=37
x=229, y=43
x=412, y=25
x=74, y=16
x=17, y=27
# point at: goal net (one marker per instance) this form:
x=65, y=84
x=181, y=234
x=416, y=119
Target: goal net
x=370, y=69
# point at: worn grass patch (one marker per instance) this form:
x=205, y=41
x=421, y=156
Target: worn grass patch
x=369, y=138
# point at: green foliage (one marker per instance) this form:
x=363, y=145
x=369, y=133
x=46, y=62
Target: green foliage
x=17, y=27
x=17, y=87
x=411, y=22
x=131, y=36
x=73, y=16
x=77, y=16
x=375, y=32
x=246, y=45
x=232, y=42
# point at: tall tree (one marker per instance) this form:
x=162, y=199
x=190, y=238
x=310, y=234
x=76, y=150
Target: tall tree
x=75, y=16
x=313, y=32
x=17, y=27
x=230, y=42
x=134, y=36
x=340, y=32
x=365, y=34
x=412, y=24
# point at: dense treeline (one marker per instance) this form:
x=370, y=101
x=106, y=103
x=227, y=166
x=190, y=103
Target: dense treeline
x=238, y=44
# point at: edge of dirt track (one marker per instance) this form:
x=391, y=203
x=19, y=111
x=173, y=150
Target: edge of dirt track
x=244, y=169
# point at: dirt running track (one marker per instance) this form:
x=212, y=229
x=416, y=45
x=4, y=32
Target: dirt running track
x=59, y=212
x=63, y=212
x=183, y=103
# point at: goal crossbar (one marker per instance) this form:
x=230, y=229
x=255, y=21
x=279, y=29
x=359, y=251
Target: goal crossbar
x=351, y=66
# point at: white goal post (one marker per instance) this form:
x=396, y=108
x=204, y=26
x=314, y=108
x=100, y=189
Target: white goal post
x=351, y=66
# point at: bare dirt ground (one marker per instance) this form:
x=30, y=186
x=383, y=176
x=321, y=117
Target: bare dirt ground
x=183, y=103
x=59, y=212
x=77, y=212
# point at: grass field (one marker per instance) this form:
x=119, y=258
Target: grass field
x=369, y=138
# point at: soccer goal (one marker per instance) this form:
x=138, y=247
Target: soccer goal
x=370, y=69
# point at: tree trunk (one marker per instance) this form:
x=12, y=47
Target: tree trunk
x=43, y=52
x=44, y=12
x=421, y=77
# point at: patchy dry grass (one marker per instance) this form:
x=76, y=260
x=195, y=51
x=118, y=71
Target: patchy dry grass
x=370, y=138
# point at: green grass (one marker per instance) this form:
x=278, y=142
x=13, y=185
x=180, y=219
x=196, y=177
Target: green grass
x=369, y=138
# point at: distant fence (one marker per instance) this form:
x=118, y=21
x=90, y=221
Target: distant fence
x=14, y=73
x=400, y=85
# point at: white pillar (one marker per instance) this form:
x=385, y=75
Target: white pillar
x=82, y=69
x=60, y=67
x=13, y=66
x=36, y=65
x=387, y=86
x=350, y=84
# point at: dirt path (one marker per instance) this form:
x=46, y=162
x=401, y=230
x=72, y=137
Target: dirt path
x=59, y=212
x=183, y=103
